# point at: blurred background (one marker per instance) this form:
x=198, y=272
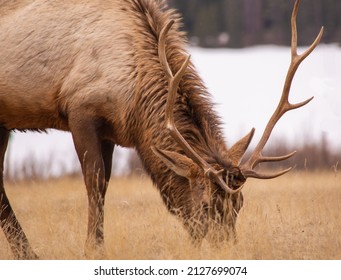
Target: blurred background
x=241, y=50
x=244, y=23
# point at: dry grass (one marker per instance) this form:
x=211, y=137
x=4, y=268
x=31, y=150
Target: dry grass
x=297, y=216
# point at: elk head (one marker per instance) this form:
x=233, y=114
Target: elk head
x=221, y=197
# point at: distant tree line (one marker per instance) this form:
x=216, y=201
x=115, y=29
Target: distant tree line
x=242, y=23
x=311, y=156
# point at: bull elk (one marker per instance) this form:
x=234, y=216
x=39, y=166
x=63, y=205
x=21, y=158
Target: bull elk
x=117, y=73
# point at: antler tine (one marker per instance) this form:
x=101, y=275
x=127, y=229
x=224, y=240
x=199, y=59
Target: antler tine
x=162, y=47
x=283, y=106
x=254, y=174
x=173, y=82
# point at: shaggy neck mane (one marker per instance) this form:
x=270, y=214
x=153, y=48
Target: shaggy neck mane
x=193, y=112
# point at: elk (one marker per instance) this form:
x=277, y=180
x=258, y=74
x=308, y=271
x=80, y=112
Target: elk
x=117, y=73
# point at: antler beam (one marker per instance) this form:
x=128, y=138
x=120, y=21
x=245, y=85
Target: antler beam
x=173, y=82
x=283, y=107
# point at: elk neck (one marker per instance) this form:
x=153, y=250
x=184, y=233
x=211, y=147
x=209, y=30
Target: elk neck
x=193, y=114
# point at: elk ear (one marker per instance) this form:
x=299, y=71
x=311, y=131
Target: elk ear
x=180, y=164
x=237, y=151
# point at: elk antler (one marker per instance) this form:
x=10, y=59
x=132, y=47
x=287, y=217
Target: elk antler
x=284, y=105
x=173, y=82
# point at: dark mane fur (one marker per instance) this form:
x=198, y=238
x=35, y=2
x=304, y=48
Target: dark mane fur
x=194, y=113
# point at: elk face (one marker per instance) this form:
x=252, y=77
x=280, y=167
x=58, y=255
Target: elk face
x=204, y=206
x=223, y=207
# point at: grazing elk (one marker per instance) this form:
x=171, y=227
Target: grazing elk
x=117, y=73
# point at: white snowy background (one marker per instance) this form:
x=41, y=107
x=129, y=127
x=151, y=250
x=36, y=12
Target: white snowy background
x=246, y=85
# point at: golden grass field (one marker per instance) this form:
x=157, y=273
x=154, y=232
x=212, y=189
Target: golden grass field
x=296, y=216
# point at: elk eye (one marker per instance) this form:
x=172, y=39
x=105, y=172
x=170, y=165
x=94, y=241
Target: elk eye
x=205, y=206
x=230, y=179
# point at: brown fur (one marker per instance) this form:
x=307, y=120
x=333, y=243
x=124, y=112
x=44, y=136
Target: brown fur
x=91, y=67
